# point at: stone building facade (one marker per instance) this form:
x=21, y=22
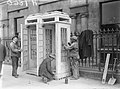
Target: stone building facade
x=85, y=14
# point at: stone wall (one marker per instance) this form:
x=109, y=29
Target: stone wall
x=93, y=20
x=57, y=5
x=10, y=13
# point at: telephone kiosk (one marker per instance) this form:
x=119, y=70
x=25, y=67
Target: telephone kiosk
x=42, y=35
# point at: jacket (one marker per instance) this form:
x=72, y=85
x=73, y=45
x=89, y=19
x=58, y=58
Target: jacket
x=45, y=68
x=85, y=42
x=73, y=49
x=14, y=49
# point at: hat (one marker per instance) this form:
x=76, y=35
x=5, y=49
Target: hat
x=74, y=38
x=14, y=37
x=52, y=55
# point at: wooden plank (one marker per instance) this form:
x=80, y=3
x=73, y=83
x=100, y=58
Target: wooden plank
x=105, y=69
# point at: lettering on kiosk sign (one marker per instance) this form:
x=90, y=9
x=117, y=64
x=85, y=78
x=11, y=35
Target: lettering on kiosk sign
x=21, y=2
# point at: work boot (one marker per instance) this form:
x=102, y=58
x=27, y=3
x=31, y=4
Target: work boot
x=73, y=78
x=44, y=79
x=15, y=76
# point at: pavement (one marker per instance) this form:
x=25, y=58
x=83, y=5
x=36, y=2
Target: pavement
x=26, y=81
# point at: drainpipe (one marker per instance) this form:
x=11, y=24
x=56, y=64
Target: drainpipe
x=87, y=13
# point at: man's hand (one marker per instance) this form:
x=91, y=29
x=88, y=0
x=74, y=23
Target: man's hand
x=7, y=59
x=53, y=72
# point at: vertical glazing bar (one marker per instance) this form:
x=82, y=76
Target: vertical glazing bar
x=66, y=36
x=62, y=39
x=46, y=42
x=64, y=43
x=31, y=52
x=51, y=41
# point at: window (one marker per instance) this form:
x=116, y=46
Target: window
x=110, y=12
x=48, y=19
x=109, y=21
x=78, y=24
x=56, y=10
x=17, y=22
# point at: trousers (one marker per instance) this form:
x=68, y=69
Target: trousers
x=14, y=65
x=75, y=67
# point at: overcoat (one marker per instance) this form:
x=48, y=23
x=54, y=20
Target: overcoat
x=45, y=69
x=2, y=52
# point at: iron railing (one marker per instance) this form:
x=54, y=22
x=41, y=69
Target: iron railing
x=104, y=42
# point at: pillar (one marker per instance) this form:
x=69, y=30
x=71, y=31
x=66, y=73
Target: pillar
x=84, y=21
x=78, y=23
x=73, y=25
x=1, y=29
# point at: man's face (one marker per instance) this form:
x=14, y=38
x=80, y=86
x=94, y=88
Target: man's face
x=15, y=39
x=72, y=40
x=51, y=58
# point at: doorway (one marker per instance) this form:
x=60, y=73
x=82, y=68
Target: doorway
x=32, y=50
x=32, y=47
x=49, y=41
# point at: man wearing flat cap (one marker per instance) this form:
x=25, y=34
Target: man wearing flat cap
x=73, y=56
x=45, y=69
x=15, y=55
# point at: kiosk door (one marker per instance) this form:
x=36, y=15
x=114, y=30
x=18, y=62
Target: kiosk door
x=50, y=42
x=24, y=46
x=29, y=46
x=62, y=62
x=49, y=39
